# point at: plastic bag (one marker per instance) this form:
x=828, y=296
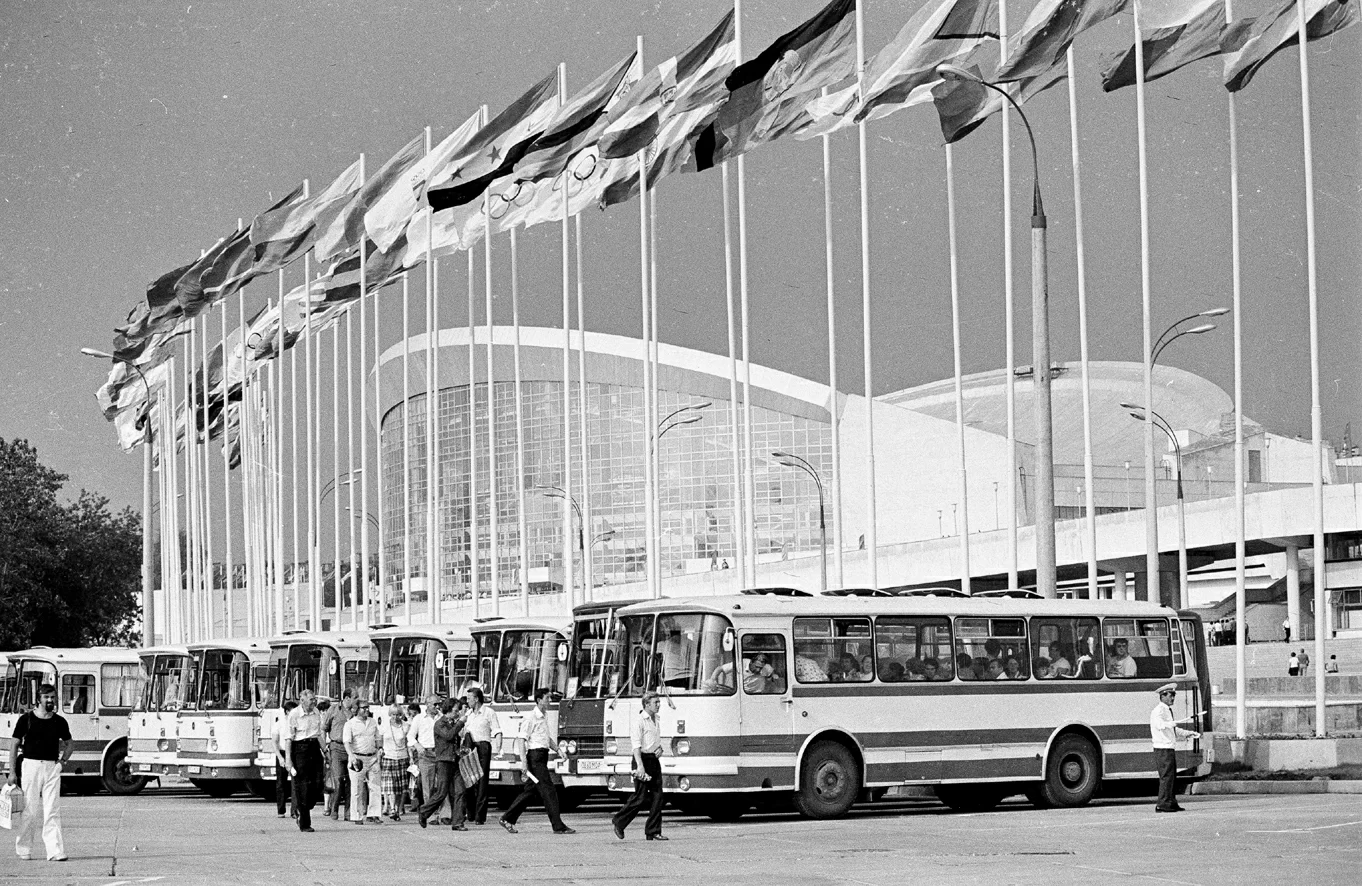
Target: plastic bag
x=11, y=806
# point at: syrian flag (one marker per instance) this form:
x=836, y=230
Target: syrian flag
x=578, y=123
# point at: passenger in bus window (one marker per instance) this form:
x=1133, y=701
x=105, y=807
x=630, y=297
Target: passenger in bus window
x=867, y=666
x=1060, y=666
x=1121, y=664
x=894, y=672
x=1042, y=668
x=964, y=667
x=931, y=670
x=995, y=670
x=1012, y=670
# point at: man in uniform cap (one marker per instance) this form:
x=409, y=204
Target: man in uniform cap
x=1165, y=733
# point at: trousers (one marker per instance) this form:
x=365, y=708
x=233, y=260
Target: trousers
x=307, y=783
x=477, y=794
x=1166, y=763
x=448, y=786
x=649, y=792
x=42, y=807
x=365, y=798
x=282, y=787
x=541, y=785
x=337, y=766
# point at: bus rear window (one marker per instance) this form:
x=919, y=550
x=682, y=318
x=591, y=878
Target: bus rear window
x=834, y=650
x=913, y=649
x=1137, y=647
x=991, y=649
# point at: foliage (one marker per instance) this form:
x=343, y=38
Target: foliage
x=70, y=574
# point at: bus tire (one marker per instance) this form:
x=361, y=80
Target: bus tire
x=217, y=788
x=261, y=788
x=117, y=774
x=1071, y=772
x=829, y=781
x=969, y=797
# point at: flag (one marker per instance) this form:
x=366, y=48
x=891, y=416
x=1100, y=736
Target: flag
x=451, y=231
x=495, y=150
x=962, y=105
x=159, y=310
x=577, y=124
x=229, y=271
x=212, y=269
x=682, y=83
x=287, y=231
x=765, y=93
x=347, y=228
x=1276, y=30
x=393, y=212
x=1048, y=32
x=1204, y=34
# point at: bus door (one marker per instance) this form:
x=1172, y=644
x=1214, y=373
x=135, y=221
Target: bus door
x=763, y=681
x=1192, y=702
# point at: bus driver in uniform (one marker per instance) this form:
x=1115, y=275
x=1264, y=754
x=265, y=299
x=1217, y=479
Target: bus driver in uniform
x=1165, y=733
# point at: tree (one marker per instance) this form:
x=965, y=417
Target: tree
x=70, y=574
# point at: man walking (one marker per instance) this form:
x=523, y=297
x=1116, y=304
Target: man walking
x=337, y=761
x=421, y=742
x=536, y=745
x=647, y=739
x=282, y=786
x=360, y=737
x=1165, y=733
x=448, y=783
x=482, y=727
x=1305, y=662
x=303, y=755
x=44, y=738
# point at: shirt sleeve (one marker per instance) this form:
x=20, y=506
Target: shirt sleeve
x=64, y=734
x=493, y=723
x=21, y=728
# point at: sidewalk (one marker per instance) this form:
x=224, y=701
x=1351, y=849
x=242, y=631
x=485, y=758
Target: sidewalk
x=1313, y=786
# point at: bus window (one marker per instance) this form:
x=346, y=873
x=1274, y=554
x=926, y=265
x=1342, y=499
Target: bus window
x=1184, y=655
x=528, y=661
x=488, y=648
x=360, y=674
x=118, y=685
x=77, y=693
x=32, y=675
x=595, y=654
x=763, y=666
x=1066, y=648
x=463, y=673
x=833, y=650
x=991, y=649
x=265, y=678
x=1137, y=647
x=689, y=648
x=9, y=685
x=913, y=649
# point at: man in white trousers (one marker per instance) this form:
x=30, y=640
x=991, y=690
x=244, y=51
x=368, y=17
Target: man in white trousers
x=43, y=738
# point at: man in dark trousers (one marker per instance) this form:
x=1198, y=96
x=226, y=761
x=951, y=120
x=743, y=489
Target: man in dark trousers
x=448, y=782
x=1165, y=733
x=333, y=748
x=303, y=755
x=43, y=737
x=282, y=786
x=482, y=726
x=647, y=739
x=536, y=744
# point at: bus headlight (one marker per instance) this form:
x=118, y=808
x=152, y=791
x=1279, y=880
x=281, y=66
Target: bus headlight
x=213, y=745
x=682, y=746
x=683, y=783
x=163, y=745
x=572, y=746
x=612, y=747
x=562, y=748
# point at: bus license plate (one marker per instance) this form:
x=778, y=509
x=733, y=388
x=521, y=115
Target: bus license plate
x=143, y=767
x=590, y=765
x=195, y=770
x=494, y=775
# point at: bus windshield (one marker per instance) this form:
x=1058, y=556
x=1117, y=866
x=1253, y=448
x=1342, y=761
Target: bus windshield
x=224, y=680
x=311, y=666
x=528, y=662
x=402, y=675
x=28, y=676
x=266, y=679
x=596, y=645
x=679, y=654
x=163, y=683
x=9, y=682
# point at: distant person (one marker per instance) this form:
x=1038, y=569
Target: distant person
x=723, y=565
x=1331, y=666
x=448, y=729
x=337, y=760
x=1165, y=732
x=43, y=737
x=1060, y=666
x=995, y=671
x=1041, y=668
x=964, y=667
x=1293, y=665
x=1305, y=662
x=894, y=672
x=393, y=766
x=931, y=669
x=481, y=726
x=1286, y=630
x=1121, y=665
x=362, y=748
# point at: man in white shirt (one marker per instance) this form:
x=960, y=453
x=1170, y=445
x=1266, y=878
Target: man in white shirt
x=1121, y=665
x=482, y=726
x=647, y=740
x=536, y=744
x=421, y=742
x=282, y=785
x=1165, y=732
x=360, y=736
x=303, y=754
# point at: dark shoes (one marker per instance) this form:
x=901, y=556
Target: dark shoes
x=421, y=819
x=307, y=830
x=1174, y=809
x=566, y=831
x=619, y=831
x=510, y=828
x=458, y=827
x=446, y=821
x=657, y=837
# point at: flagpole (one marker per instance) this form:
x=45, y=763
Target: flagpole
x=959, y=382
x=1240, y=520
x=655, y=456
x=170, y=518
x=1316, y=410
x=1153, y=579
x=363, y=579
x=473, y=526
x=277, y=480
x=1090, y=518
x=433, y=601
x=312, y=402
x=355, y=479
x=293, y=477
x=739, y=488
x=336, y=474
x=833, y=417
x=1013, y=583
x=243, y=466
x=381, y=605
x=208, y=485
x=871, y=537
x=190, y=421
x=406, y=445
x=569, y=573
x=493, y=519
x=179, y=551
x=650, y=559
x=588, y=567
x=228, y=623
x=522, y=521
x=191, y=473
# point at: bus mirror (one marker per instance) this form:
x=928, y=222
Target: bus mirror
x=728, y=640
x=562, y=652
x=439, y=660
x=331, y=667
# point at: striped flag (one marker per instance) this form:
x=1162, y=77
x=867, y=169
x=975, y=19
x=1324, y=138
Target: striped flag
x=1278, y=29
x=287, y=231
x=345, y=231
x=395, y=210
x=1048, y=32
x=578, y=123
x=962, y=105
x=1202, y=34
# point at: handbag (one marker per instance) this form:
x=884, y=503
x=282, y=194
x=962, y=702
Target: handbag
x=11, y=806
x=470, y=767
x=328, y=783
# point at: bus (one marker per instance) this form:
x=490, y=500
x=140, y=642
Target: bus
x=515, y=658
x=219, y=722
x=96, y=688
x=597, y=637
x=327, y=662
x=826, y=701
x=416, y=661
x=153, y=734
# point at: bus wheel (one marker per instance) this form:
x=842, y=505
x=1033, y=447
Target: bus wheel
x=261, y=788
x=118, y=776
x=969, y=797
x=217, y=788
x=829, y=781
x=1071, y=772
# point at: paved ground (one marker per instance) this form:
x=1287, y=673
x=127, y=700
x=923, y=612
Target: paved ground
x=179, y=836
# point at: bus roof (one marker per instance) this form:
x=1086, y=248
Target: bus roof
x=760, y=605
x=83, y=655
x=548, y=623
x=336, y=639
x=430, y=632
x=248, y=645
x=163, y=650
x=599, y=607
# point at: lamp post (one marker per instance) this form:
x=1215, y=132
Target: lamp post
x=1040, y=350
x=558, y=492
x=148, y=603
x=790, y=460
x=1139, y=413
x=686, y=415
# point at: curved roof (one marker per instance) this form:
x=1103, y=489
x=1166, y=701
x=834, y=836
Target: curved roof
x=334, y=639
x=772, y=604
x=84, y=655
x=250, y=646
x=561, y=625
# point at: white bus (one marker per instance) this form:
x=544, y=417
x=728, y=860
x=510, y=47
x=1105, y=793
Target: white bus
x=327, y=662
x=419, y=660
x=219, y=722
x=153, y=735
x=96, y=689
x=515, y=658
x=830, y=700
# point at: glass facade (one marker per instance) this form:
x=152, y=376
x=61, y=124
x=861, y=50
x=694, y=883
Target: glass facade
x=696, y=487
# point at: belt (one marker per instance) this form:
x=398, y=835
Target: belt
x=301, y=740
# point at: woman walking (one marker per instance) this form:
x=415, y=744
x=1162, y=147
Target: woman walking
x=393, y=767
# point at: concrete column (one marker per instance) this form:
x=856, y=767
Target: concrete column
x=1119, y=590
x=1293, y=591
x=1142, y=585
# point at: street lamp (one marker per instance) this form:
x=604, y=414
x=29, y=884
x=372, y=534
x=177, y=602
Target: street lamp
x=676, y=418
x=1139, y=413
x=790, y=460
x=148, y=604
x=1040, y=349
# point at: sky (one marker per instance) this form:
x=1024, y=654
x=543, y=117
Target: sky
x=135, y=134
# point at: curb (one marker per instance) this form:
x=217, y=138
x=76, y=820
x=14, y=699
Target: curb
x=1313, y=786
